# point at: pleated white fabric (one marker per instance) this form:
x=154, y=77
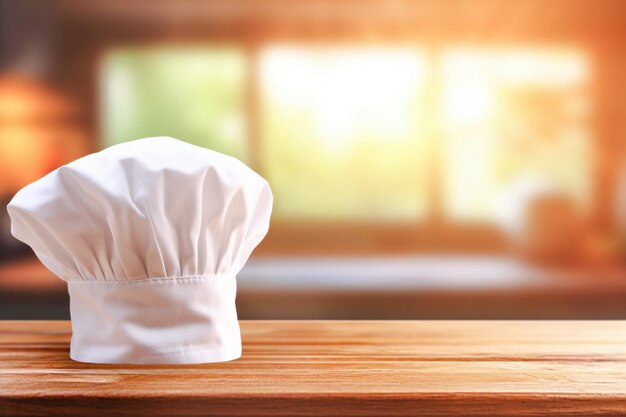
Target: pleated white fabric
x=149, y=236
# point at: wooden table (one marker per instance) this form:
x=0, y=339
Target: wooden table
x=377, y=368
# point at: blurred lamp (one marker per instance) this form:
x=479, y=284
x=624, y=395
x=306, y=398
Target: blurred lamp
x=39, y=131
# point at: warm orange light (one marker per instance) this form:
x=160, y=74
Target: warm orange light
x=38, y=131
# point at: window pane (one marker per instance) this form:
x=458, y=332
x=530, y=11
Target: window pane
x=512, y=119
x=193, y=94
x=342, y=132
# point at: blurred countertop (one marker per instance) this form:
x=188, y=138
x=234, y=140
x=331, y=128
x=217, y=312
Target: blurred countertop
x=449, y=273
x=406, y=287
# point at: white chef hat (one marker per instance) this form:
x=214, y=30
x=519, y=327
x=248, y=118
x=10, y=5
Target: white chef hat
x=149, y=236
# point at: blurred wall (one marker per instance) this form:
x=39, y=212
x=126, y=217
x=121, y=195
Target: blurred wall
x=390, y=149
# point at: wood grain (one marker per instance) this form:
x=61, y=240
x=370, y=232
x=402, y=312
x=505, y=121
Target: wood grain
x=356, y=368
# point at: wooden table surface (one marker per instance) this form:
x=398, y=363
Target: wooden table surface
x=302, y=368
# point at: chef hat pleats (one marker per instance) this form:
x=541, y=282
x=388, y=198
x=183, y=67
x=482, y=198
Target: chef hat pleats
x=149, y=235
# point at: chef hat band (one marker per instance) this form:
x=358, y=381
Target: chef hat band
x=181, y=320
x=149, y=236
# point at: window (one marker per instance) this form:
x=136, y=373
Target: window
x=511, y=119
x=195, y=94
x=342, y=133
x=369, y=135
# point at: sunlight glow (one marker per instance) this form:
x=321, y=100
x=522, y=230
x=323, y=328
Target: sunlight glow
x=350, y=93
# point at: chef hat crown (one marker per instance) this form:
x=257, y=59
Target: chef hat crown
x=149, y=236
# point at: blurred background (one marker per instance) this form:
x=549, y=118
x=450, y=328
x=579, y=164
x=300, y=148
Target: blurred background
x=429, y=159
